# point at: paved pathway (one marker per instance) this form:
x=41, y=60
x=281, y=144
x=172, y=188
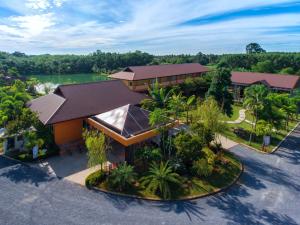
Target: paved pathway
x=242, y=117
x=268, y=193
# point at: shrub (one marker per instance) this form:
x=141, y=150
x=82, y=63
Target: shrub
x=201, y=167
x=95, y=178
x=122, y=177
x=188, y=147
x=210, y=156
x=161, y=179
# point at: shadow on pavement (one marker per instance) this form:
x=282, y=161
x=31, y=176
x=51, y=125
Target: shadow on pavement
x=19, y=173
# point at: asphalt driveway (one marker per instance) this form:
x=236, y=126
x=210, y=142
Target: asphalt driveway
x=268, y=193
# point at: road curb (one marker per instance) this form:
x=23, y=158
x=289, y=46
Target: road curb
x=280, y=143
x=97, y=189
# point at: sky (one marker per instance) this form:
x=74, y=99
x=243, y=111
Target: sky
x=155, y=26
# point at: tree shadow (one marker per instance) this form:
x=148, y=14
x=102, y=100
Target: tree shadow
x=259, y=171
x=25, y=174
x=5, y=162
x=289, y=149
x=189, y=208
x=121, y=203
x=239, y=212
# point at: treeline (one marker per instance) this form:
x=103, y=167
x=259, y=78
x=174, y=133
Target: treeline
x=272, y=62
x=17, y=63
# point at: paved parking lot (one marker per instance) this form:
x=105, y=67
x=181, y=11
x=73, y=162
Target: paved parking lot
x=268, y=193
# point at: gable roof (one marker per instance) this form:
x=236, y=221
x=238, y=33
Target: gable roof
x=273, y=80
x=83, y=100
x=154, y=71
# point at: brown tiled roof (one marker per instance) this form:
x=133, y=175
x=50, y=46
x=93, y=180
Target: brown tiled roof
x=273, y=80
x=83, y=100
x=149, y=72
x=46, y=106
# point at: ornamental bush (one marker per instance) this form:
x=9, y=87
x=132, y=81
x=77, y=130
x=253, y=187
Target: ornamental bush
x=202, y=168
x=95, y=178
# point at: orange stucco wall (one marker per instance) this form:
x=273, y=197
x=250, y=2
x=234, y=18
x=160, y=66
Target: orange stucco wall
x=68, y=131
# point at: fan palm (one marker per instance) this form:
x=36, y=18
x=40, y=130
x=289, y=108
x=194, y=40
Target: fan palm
x=122, y=176
x=160, y=179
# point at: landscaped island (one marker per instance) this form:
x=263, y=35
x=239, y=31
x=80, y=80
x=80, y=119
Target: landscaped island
x=226, y=171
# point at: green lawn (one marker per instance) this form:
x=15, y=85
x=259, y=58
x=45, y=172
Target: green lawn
x=223, y=175
x=257, y=142
x=234, y=116
x=235, y=113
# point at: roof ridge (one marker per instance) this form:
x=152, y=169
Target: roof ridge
x=168, y=64
x=123, y=128
x=272, y=74
x=56, y=110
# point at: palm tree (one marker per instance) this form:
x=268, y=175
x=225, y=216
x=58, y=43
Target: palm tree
x=187, y=105
x=158, y=119
x=122, y=176
x=254, y=101
x=176, y=104
x=159, y=95
x=160, y=179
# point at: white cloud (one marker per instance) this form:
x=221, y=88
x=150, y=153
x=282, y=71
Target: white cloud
x=38, y=4
x=43, y=4
x=141, y=24
x=29, y=26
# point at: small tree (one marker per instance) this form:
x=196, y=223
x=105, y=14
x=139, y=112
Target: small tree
x=31, y=140
x=263, y=129
x=158, y=119
x=254, y=48
x=286, y=103
x=188, y=147
x=221, y=80
x=209, y=114
x=97, y=146
x=205, y=133
x=160, y=179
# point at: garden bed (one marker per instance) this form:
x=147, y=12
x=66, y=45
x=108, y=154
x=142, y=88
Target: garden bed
x=224, y=175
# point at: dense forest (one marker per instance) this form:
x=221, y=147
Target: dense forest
x=17, y=63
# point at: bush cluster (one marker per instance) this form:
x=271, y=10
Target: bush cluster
x=95, y=178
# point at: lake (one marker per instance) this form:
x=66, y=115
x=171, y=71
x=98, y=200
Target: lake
x=50, y=82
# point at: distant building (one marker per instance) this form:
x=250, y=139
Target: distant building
x=275, y=82
x=138, y=78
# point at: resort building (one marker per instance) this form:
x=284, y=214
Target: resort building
x=275, y=82
x=138, y=78
x=107, y=106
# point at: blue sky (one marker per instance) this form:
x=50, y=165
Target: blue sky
x=155, y=26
